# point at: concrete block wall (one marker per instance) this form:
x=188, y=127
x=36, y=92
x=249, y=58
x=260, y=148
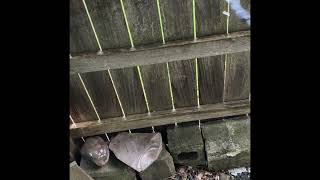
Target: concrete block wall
x=227, y=143
x=186, y=145
x=114, y=169
x=77, y=173
x=162, y=168
x=219, y=145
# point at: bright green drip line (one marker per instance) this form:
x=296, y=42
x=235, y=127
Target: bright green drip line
x=125, y=19
x=194, y=19
x=197, y=82
x=196, y=60
x=163, y=42
x=115, y=90
x=91, y=23
x=144, y=92
x=224, y=76
x=171, y=94
x=85, y=88
x=228, y=9
x=160, y=18
x=132, y=45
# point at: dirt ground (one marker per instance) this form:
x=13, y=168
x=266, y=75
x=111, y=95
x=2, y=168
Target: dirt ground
x=191, y=173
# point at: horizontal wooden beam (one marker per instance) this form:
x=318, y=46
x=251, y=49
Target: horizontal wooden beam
x=172, y=51
x=160, y=118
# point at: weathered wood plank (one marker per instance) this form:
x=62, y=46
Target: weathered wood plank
x=81, y=34
x=102, y=93
x=211, y=77
x=143, y=21
x=129, y=88
x=177, y=19
x=211, y=20
x=183, y=79
x=237, y=85
x=174, y=51
x=109, y=23
x=209, y=17
x=161, y=118
x=80, y=107
x=156, y=84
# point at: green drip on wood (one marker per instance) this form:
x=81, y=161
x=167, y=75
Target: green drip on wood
x=125, y=19
x=194, y=20
x=197, y=82
x=144, y=92
x=160, y=19
x=92, y=26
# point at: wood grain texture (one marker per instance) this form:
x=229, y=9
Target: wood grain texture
x=183, y=79
x=143, y=21
x=203, y=47
x=81, y=34
x=130, y=92
x=177, y=19
x=211, y=20
x=235, y=22
x=237, y=76
x=156, y=84
x=102, y=93
x=80, y=106
x=209, y=17
x=161, y=118
x=109, y=23
x=211, y=77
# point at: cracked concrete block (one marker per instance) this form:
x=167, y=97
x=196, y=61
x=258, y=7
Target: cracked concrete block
x=77, y=173
x=114, y=169
x=161, y=169
x=186, y=145
x=227, y=143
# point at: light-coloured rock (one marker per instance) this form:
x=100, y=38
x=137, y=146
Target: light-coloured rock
x=137, y=150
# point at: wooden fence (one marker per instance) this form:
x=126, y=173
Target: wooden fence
x=144, y=63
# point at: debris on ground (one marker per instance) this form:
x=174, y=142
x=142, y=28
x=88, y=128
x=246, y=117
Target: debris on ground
x=240, y=173
x=191, y=173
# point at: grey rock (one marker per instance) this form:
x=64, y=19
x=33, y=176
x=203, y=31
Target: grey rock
x=114, y=169
x=96, y=150
x=227, y=143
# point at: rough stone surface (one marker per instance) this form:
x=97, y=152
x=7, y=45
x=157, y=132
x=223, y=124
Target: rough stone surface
x=223, y=176
x=186, y=145
x=137, y=150
x=161, y=169
x=114, y=169
x=227, y=143
x=76, y=173
x=96, y=150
